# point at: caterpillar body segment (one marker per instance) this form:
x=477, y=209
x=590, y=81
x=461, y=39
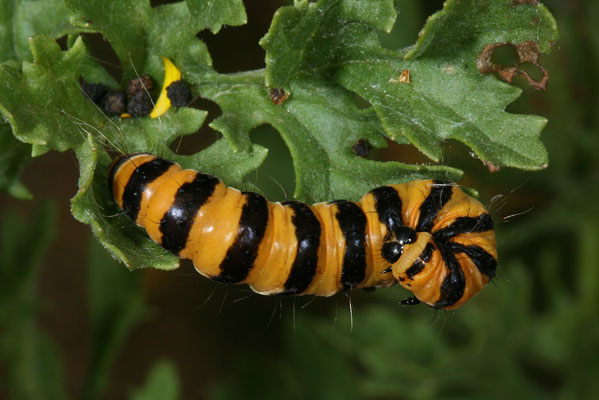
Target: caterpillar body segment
x=429, y=236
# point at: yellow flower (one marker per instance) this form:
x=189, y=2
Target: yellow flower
x=171, y=74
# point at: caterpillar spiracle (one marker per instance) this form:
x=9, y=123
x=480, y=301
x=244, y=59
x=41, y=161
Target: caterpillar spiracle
x=429, y=236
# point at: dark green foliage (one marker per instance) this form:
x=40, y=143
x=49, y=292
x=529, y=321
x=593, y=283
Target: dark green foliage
x=447, y=96
x=532, y=334
x=34, y=372
x=116, y=306
x=29, y=357
x=15, y=155
x=20, y=20
x=162, y=383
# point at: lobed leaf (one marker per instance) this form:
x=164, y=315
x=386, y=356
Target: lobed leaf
x=140, y=34
x=22, y=19
x=445, y=97
x=43, y=101
x=19, y=21
x=319, y=125
x=214, y=14
x=330, y=115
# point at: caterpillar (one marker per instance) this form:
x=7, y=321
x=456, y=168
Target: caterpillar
x=428, y=236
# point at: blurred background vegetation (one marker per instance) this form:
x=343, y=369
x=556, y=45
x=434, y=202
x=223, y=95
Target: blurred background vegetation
x=74, y=324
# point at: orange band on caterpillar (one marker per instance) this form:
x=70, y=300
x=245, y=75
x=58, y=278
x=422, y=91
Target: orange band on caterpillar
x=429, y=236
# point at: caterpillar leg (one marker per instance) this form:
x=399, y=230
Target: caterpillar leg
x=410, y=301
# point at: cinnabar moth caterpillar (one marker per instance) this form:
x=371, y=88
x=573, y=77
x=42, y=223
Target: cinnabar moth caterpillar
x=429, y=236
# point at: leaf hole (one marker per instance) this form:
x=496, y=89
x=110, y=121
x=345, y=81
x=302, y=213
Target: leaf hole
x=361, y=102
x=62, y=42
x=408, y=23
x=505, y=55
x=236, y=48
x=459, y=155
x=156, y=3
x=527, y=52
x=275, y=177
x=532, y=70
x=104, y=54
x=205, y=136
x=404, y=153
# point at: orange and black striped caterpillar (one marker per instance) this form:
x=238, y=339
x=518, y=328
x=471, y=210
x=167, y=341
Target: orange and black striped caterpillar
x=429, y=236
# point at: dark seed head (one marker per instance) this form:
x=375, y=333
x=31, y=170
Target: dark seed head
x=114, y=103
x=139, y=105
x=93, y=91
x=178, y=93
x=361, y=148
x=140, y=84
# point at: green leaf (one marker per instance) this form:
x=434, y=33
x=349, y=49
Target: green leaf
x=484, y=22
x=215, y=14
x=235, y=95
x=19, y=21
x=162, y=383
x=446, y=97
x=91, y=70
x=332, y=108
x=15, y=155
x=121, y=23
x=171, y=32
x=296, y=41
x=319, y=124
x=43, y=101
x=249, y=93
x=140, y=35
x=22, y=19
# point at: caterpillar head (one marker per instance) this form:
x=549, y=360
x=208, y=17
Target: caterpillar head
x=396, y=242
x=417, y=264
